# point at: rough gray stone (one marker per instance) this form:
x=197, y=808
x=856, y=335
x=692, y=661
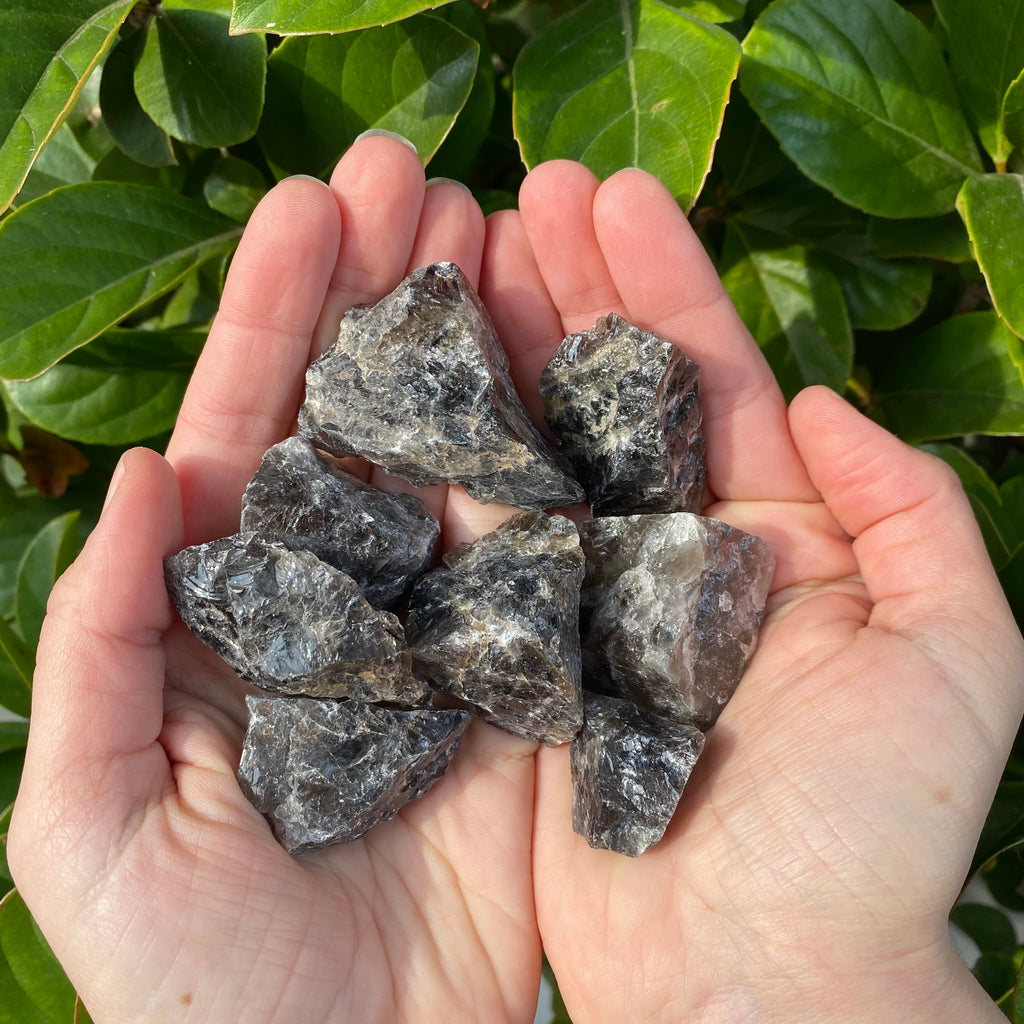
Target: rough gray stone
x=290, y=623
x=498, y=626
x=420, y=385
x=671, y=608
x=625, y=408
x=303, y=498
x=629, y=767
x=326, y=771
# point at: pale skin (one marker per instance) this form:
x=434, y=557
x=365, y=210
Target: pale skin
x=824, y=835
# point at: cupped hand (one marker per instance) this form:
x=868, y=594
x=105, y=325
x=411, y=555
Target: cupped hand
x=160, y=889
x=829, y=825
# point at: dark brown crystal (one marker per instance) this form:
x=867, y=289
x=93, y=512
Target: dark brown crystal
x=625, y=408
x=498, y=626
x=629, y=767
x=290, y=623
x=420, y=385
x=670, y=610
x=303, y=498
x=326, y=771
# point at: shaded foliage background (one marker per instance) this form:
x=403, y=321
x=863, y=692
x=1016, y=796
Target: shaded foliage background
x=855, y=168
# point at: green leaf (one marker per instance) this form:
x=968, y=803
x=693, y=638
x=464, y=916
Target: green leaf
x=33, y=966
x=860, y=99
x=49, y=553
x=997, y=974
x=134, y=131
x=6, y=882
x=300, y=17
x=794, y=309
x=123, y=387
x=322, y=91
x=992, y=208
x=986, y=51
x=989, y=928
x=626, y=83
x=50, y=48
x=712, y=10
x=15, y=681
x=234, y=187
x=957, y=378
x=938, y=238
x=1013, y=112
x=80, y=259
x=881, y=295
x=196, y=81
x=747, y=154
x=12, y=762
x=13, y=736
x=1015, y=1008
x=62, y=162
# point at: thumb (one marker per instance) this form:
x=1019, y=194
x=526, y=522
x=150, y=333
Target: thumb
x=97, y=702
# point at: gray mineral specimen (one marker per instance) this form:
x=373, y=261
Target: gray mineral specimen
x=327, y=771
x=629, y=768
x=625, y=407
x=670, y=610
x=290, y=623
x=303, y=498
x=499, y=626
x=420, y=385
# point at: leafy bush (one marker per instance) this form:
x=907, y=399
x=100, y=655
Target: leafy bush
x=861, y=191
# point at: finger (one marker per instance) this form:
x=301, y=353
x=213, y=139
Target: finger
x=919, y=550
x=668, y=285
x=556, y=204
x=97, y=707
x=451, y=227
x=378, y=185
x=247, y=385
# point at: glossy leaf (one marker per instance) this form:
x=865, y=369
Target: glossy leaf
x=937, y=238
x=322, y=91
x=1013, y=112
x=124, y=387
x=794, y=309
x=6, y=882
x=32, y=965
x=79, y=260
x=234, y=187
x=881, y=295
x=51, y=47
x=196, y=81
x=16, y=675
x=986, y=52
x=300, y=17
x=712, y=10
x=62, y=162
x=992, y=207
x=48, y=554
x=989, y=928
x=861, y=100
x=957, y=378
x=626, y=83
x=134, y=131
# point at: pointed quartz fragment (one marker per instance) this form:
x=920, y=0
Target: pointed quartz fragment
x=625, y=408
x=670, y=610
x=290, y=623
x=629, y=768
x=420, y=385
x=498, y=626
x=303, y=498
x=326, y=771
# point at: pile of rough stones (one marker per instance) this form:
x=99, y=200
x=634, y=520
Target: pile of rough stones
x=623, y=635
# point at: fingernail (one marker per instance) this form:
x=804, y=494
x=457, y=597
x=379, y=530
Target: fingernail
x=115, y=481
x=372, y=133
x=305, y=177
x=449, y=181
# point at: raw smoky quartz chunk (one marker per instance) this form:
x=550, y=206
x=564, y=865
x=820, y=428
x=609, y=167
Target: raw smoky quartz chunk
x=498, y=626
x=671, y=608
x=629, y=767
x=305, y=499
x=625, y=408
x=290, y=623
x=326, y=771
x=420, y=385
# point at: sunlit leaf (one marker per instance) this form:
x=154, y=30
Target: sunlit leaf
x=62, y=162
x=626, y=83
x=300, y=17
x=48, y=554
x=234, y=187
